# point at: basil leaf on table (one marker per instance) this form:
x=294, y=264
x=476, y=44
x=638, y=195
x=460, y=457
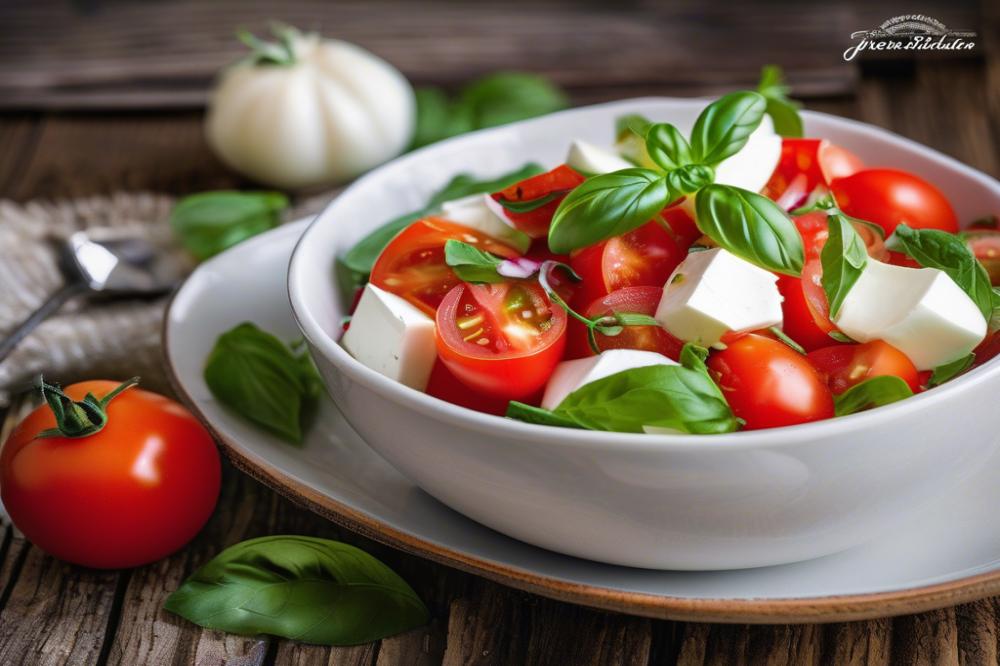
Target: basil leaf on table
x=470, y=263
x=260, y=378
x=497, y=99
x=607, y=205
x=750, y=226
x=210, y=222
x=949, y=371
x=871, y=393
x=302, y=588
x=784, y=112
x=933, y=248
x=667, y=147
x=844, y=256
x=723, y=127
x=355, y=266
x=681, y=397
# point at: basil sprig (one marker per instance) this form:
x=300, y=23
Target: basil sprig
x=353, y=268
x=303, y=588
x=210, y=222
x=470, y=263
x=949, y=371
x=784, y=112
x=750, y=226
x=680, y=397
x=933, y=248
x=260, y=378
x=844, y=257
x=871, y=393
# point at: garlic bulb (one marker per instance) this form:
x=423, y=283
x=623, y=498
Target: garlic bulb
x=309, y=111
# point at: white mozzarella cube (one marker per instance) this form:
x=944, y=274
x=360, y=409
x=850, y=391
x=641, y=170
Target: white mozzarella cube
x=482, y=213
x=590, y=159
x=571, y=375
x=920, y=311
x=713, y=292
x=392, y=337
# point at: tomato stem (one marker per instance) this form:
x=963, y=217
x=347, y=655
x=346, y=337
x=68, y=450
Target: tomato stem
x=78, y=418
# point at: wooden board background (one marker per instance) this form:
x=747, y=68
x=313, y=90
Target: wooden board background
x=102, y=97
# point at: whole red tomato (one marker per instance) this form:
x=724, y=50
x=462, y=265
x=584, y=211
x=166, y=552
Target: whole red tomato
x=131, y=493
x=889, y=197
x=768, y=384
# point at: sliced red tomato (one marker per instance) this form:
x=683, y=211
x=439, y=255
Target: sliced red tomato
x=642, y=257
x=635, y=300
x=768, y=384
x=504, y=340
x=805, y=310
x=889, y=197
x=445, y=385
x=985, y=244
x=412, y=265
x=547, y=190
x=843, y=366
x=806, y=164
x=815, y=230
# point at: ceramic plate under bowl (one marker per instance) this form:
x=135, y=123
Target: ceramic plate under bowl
x=948, y=554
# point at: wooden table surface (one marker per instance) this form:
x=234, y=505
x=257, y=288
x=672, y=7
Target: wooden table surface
x=53, y=613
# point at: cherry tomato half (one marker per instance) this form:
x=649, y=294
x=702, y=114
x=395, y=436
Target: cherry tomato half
x=642, y=257
x=843, y=366
x=412, y=265
x=985, y=245
x=445, y=385
x=556, y=183
x=504, y=340
x=768, y=384
x=889, y=197
x=636, y=300
x=129, y=494
x=805, y=310
x=806, y=164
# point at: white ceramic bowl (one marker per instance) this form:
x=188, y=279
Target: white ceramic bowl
x=667, y=501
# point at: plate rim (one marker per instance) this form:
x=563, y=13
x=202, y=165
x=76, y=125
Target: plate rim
x=798, y=610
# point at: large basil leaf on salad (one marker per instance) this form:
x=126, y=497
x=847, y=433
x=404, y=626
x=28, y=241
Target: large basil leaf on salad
x=871, y=393
x=303, y=588
x=724, y=126
x=354, y=267
x=679, y=397
x=667, y=146
x=750, y=226
x=471, y=264
x=608, y=205
x=266, y=382
x=844, y=256
x=933, y=248
x=784, y=112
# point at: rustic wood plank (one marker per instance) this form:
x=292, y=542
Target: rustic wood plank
x=925, y=639
x=857, y=643
x=977, y=633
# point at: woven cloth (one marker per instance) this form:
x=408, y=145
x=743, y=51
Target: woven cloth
x=86, y=339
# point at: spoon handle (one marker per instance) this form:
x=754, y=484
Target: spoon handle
x=44, y=311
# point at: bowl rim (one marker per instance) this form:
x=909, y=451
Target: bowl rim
x=324, y=344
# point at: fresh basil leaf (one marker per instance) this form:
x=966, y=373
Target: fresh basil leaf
x=632, y=123
x=750, y=226
x=607, y=205
x=353, y=268
x=871, y=393
x=690, y=178
x=438, y=118
x=667, y=147
x=537, y=415
x=840, y=337
x=303, y=588
x=210, y=222
x=529, y=205
x=724, y=126
x=470, y=263
x=824, y=203
x=934, y=248
x=784, y=112
x=949, y=371
x=630, y=139
x=844, y=256
x=506, y=97
x=667, y=396
x=784, y=337
x=257, y=376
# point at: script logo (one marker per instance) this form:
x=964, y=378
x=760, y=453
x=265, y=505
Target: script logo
x=911, y=32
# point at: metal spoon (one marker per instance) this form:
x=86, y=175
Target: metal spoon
x=107, y=262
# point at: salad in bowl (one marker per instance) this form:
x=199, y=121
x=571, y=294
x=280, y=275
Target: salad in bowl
x=734, y=277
